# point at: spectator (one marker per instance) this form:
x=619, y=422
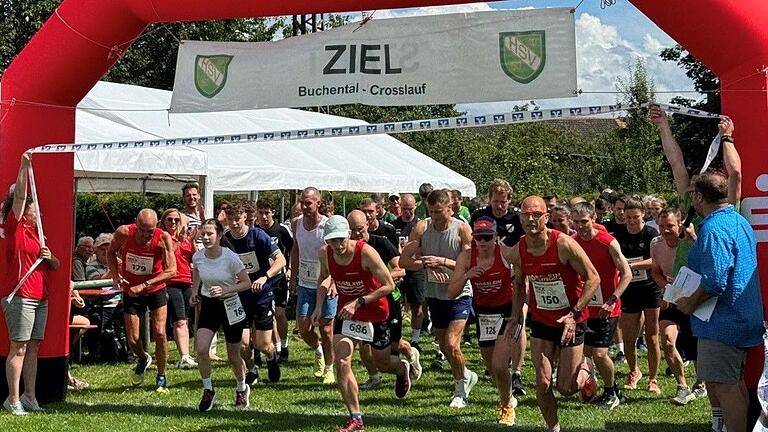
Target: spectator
x=421, y=206
x=80, y=258
x=193, y=210
x=394, y=206
x=459, y=211
x=725, y=256
x=382, y=213
x=97, y=268
x=77, y=319
x=551, y=201
x=602, y=210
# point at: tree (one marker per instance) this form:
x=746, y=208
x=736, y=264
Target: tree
x=19, y=21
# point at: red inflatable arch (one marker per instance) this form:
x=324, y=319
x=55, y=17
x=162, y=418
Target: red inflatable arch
x=79, y=43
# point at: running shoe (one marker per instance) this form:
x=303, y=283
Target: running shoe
x=30, y=405
x=207, y=401
x=273, y=370
x=589, y=389
x=507, y=415
x=373, y=382
x=458, y=402
x=607, y=401
x=162, y=384
x=467, y=339
x=416, y=369
x=653, y=387
x=252, y=376
x=403, y=382
x=243, y=398
x=632, y=379
x=619, y=357
x=640, y=344
x=77, y=384
x=469, y=384
x=517, y=384
x=257, y=359
x=283, y=355
x=328, y=377
x=668, y=371
x=439, y=362
x=352, y=426
x=141, y=368
x=319, y=365
x=684, y=395
x=186, y=362
x=416, y=345
x=700, y=391
x=15, y=408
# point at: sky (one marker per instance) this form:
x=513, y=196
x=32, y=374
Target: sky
x=607, y=42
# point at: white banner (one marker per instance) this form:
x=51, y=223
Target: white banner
x=438, y=59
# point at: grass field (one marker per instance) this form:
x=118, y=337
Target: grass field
x=300, y=403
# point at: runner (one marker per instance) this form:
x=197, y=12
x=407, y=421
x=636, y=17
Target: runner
x=225, y=286
x=552, y=262
x=605, y=306
x=675, y=325
x=377, y=226
x=363, y=282
x=280, y=235
x=437, y=242
x=179, y=287
x=489, y=273
x=560, y=218
x=642, y=299
x=263, y=262
x=459, y=211
x=509, y=230
x=358, y=224
x=413, y=282
x=308, y=235
x=147, y=262
x=615, y=224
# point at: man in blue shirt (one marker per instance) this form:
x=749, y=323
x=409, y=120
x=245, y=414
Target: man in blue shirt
x=725, y=255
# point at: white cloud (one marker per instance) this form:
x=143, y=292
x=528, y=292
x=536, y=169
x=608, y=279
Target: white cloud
x=602, y=56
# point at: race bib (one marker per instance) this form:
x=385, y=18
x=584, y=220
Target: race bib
x=309, y=271
x=550, y=295
x=250, y=262
x=234, y=308
x=638, y=275
x=139, y=265
x=597, y=299
x=431, y=276
x=489, y=326
x=359, y=330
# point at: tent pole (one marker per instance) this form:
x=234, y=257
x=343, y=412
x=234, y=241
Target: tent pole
x=282, y=206
x=344, y=203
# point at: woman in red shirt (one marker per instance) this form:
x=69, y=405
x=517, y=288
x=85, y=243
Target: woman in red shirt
x=27, y=311
x=179, y=291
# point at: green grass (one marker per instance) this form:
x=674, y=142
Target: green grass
x=300, y=403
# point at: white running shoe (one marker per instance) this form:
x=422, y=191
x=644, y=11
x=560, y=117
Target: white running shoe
x=416, y=369
x=186, y=362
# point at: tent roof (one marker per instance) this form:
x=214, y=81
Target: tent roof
x=119, y=112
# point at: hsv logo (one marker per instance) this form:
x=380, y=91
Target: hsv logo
x=755, y=210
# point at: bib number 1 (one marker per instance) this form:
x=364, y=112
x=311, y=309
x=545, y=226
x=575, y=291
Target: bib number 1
x=234, y=308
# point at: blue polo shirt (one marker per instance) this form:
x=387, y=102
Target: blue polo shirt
x=725, y=255
x=254, y=250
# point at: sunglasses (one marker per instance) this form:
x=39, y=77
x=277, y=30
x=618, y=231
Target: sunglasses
x=534, y=215
x=484, y=237
x=174, y=220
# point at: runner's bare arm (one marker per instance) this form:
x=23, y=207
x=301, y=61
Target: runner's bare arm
x=395, y=270
x=169, y=261
x=117, y=243
x=732, y=162
x=324, y=279
x=194, y=298
x=372, y=262
x=459, y=277
x=20, y=191
x=278, y=264
x=518, y=300
x=641, y=265
x=672, y=151
x=625, y=274
x=656, y=273
x=294, y=260
x=412, y=249
x=570, y=252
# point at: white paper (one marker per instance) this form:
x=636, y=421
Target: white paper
x=685, y=284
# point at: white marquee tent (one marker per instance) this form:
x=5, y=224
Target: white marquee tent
x=117, y=112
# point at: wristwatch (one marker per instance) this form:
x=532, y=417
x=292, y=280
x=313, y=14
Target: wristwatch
x=613, y=298
x=576, y=313
x=146, y=285
x=726, y=138
x=361, y=301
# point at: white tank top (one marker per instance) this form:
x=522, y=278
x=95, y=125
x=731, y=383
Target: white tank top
x=309, y=243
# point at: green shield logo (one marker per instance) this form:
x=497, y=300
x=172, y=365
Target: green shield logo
x=522, y=54
x=211, y=74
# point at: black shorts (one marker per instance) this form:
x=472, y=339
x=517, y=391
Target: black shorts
x=139, y=305
x=380, y=334
x=687, y=343
x=213, y=316
x=178, y=301
x=261, y=316
x=413, y=287
x=555, y=334
x=636, y=299
x=599, y=333
x=280, y=292
x=505, y=311
x=395, y=320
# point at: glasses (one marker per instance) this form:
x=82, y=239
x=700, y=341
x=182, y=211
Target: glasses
x=534, y=215
x=484, y=237
x=174, y=220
